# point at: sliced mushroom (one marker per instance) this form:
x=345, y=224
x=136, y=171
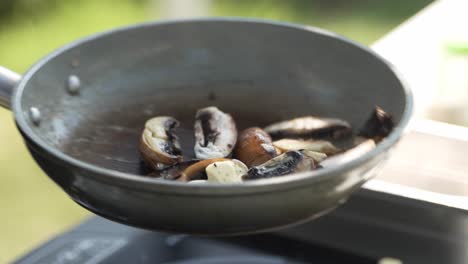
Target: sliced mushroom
x=358, y=140
x=228, y=171
x=310, y=127
x=316, y=156
x=175, y=171
x=215, y=133
x=159, y=145
x=188, y=170
x=378, y=126
x=286, y=163
x=254, y=147
x=349, y=154
x=314, y=145
x=198, y=181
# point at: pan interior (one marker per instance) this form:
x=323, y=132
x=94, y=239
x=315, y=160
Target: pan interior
x=258, y=72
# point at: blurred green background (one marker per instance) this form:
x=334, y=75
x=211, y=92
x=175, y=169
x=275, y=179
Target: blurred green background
x=32, y=208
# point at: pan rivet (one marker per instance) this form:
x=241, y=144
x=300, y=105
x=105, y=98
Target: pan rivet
x=35, y=115
x=73, y=84
x=75, y=63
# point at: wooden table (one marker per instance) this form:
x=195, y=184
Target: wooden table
x=429, y=163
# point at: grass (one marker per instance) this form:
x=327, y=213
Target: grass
x=33, y=208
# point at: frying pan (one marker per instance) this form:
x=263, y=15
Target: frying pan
x=81, y=110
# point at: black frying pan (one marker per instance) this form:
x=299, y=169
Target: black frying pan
x=82, y=108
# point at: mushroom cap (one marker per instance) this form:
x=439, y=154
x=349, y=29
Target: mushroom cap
x=254, y=147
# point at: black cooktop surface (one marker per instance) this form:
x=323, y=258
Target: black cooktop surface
x=366, y=229
x=101, y=241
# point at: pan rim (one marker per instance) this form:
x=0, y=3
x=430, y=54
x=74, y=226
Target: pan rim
x=270, y=184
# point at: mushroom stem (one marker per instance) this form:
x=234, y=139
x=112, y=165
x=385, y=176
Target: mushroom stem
x=196, y=168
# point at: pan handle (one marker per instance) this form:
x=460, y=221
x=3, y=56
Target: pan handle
x=8, y=81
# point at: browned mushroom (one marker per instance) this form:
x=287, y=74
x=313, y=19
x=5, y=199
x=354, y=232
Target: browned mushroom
x=378, y=125
x=350, y=154
x=286, y=163
x=314, y=145
x=175, y=171
x=159, y=145
x=254, y=147
x=310, y=127
x=314, y=155
x=188, y=170
x=215, y=133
